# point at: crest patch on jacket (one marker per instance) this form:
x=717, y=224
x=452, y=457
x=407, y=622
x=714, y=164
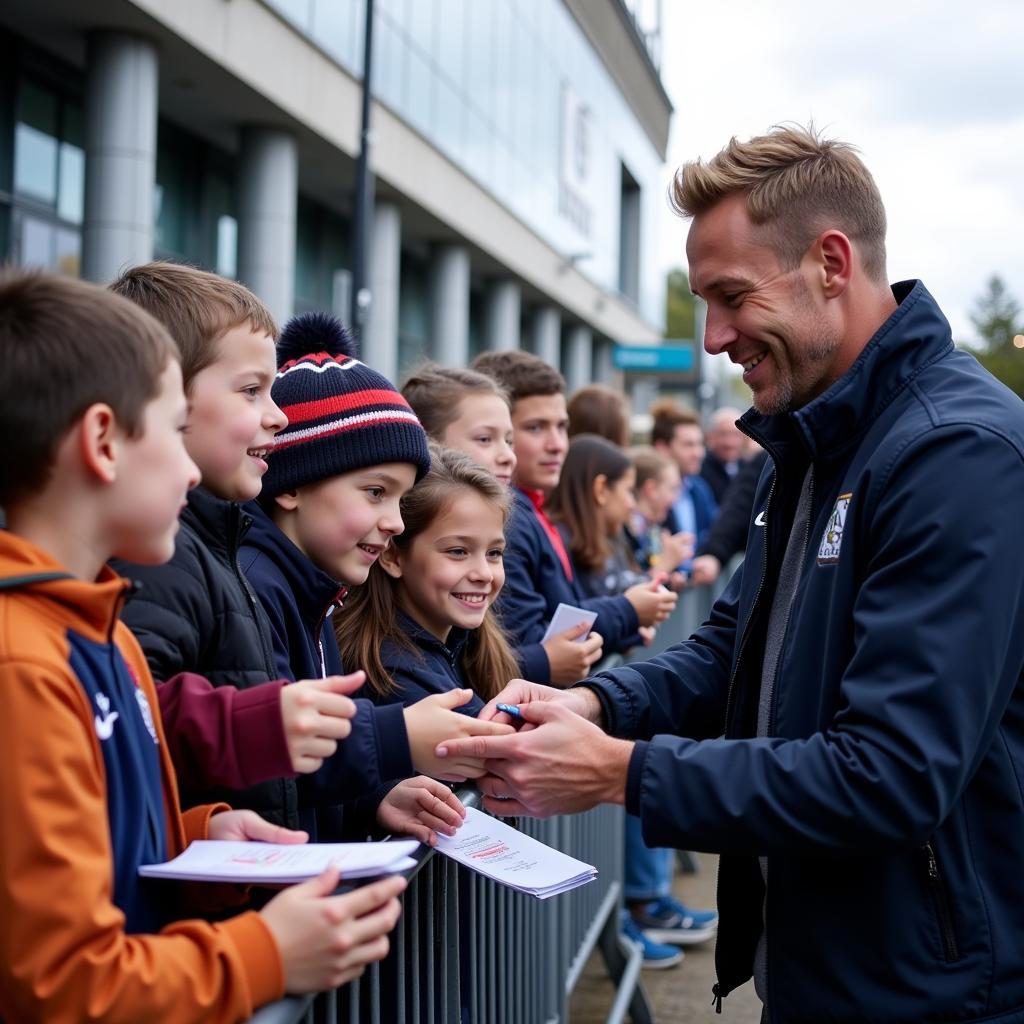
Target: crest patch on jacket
x=832, y=538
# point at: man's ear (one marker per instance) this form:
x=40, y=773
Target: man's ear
x=287, y=500
x=391, y=561
x=834, y=258
x=100, y=441
x=599, y=489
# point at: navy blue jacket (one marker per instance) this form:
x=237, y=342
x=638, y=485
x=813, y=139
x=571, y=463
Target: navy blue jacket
x=197, y=613
x=888, y=796
x=705, y=508
x=433, y=667
x=535, y=584
x=299, y=598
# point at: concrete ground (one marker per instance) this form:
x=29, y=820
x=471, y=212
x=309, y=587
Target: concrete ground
x=680, y=994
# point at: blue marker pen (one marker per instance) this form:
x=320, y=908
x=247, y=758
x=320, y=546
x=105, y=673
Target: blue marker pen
x=510, y=709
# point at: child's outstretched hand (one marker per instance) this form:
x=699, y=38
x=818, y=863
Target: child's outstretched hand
x=431, y=720
x=653, y=602
x=316, y=714
x=421, y=807
x=569, y=657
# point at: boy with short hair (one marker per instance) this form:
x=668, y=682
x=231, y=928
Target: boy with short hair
x=538, y=573
x=92, y=392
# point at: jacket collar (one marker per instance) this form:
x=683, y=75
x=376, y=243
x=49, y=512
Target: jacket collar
x=914, y=337
x=313, y=590
x=424, y=638
x=89, y=607
x=221, y=524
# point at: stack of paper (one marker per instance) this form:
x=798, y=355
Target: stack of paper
x=252, y=863
x=504, y=854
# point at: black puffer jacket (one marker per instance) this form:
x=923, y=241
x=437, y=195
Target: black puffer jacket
x=198, y=614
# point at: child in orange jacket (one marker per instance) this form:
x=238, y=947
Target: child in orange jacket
x=92, y=407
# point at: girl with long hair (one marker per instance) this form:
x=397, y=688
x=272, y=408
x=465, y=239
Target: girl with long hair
x=422, y=623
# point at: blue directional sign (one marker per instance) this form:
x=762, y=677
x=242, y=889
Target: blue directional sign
x=672, y=356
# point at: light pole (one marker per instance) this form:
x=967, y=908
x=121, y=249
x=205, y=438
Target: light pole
x=361, y=297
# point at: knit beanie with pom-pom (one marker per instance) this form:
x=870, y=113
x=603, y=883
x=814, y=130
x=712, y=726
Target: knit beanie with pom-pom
x=342, y=416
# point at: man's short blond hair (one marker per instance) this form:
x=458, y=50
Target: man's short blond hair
x=797, y=184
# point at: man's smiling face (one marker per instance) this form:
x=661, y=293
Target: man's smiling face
x=771, y=321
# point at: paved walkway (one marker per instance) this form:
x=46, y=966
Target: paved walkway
x=679, y=995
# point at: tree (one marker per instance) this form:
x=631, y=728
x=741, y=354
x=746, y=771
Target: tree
x=998, y=320
x=679, y=304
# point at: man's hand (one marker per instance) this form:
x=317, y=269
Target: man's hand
x=579, y=700
x=326, y=941
x=421, y=807
x=653, y=602
x=316, y=714
x=563, y=765
x=569, y=657
x=431, y=720
x=242, y=825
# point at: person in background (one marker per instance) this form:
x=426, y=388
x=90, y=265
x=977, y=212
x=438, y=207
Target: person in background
x=538, y=569
x=597, y=409
x=676, y=433
x=467, y=411
x=657, y=488
x=724, y=444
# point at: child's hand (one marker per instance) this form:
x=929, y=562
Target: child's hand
x=421, y=807
x=243, y=825
x=569, y=658
x=326, y=941
x=316, y=714
x=653, y=603
x=647, y=635
x=676, y=548
x=431, y=720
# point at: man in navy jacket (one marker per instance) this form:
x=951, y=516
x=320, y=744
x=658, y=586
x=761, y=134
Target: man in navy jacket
x=847, y=729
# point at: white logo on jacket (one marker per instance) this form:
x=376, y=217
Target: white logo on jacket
x=832, y=538
x=106, y=718
x=147, y=713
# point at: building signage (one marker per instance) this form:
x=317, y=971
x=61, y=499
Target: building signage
x=574, y=179
x=673, y=356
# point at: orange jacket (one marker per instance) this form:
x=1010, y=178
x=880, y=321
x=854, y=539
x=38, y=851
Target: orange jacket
x=64, y=953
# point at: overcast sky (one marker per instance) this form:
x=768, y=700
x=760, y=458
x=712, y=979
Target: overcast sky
x=934, y=101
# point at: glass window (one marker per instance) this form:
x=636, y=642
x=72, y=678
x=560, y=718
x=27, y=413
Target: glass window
x=337, y=27
x=450, y=54
x=71, y=190
x=35, y=242
x=35, y=163
x=421, y=92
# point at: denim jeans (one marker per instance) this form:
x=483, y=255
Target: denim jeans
x=648, y=873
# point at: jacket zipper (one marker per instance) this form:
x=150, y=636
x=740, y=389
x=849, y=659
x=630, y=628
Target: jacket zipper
x=941, y=900
x=730, y=692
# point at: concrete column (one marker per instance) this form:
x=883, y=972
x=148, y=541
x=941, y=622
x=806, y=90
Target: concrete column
x=501, y=315
x=449, y=313
x=380, y=340
x=604, y=369
x=120, y=154
x=268, y=184
x=578, y=360
x=546, y=334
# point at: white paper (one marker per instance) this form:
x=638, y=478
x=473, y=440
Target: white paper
x=496, y=850
x=566, y=616
x=209, y=860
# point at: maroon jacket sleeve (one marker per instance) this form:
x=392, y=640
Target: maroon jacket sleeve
x=221, y=736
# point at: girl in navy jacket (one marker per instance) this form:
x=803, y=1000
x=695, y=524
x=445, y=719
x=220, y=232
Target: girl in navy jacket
x=423, y=622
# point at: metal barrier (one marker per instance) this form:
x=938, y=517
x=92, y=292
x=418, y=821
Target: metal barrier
x=470, y=951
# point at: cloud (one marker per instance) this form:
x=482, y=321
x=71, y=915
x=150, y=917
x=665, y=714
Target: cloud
x=932, y=95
